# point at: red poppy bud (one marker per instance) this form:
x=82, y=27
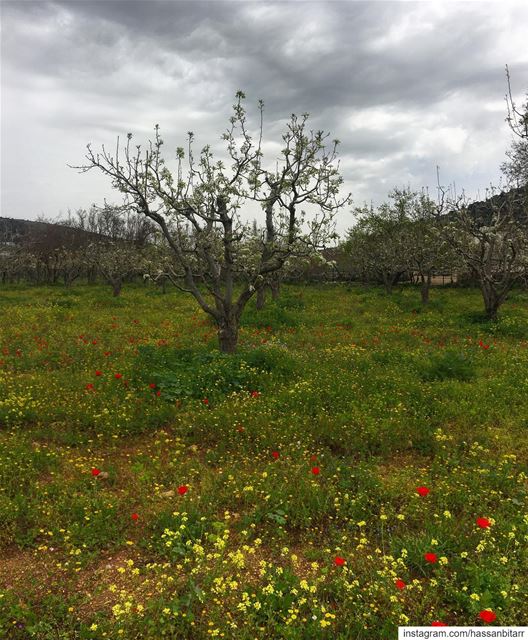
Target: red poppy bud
x=183, y=489
x=118, y=376
x=483, y=523
x=275, y=454
x=98, y=373
x=135, y=517
x=438, y=623
x=487, y=616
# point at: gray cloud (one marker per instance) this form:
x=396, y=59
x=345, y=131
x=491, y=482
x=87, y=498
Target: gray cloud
x=404, y=86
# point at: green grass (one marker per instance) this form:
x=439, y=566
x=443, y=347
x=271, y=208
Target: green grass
x=249, y=475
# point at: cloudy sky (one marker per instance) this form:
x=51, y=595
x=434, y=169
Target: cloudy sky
x=405, y=86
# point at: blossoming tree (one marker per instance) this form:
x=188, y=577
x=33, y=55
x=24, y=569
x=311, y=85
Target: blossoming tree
x=199, y=207
x=491, y=240
x=516, y=167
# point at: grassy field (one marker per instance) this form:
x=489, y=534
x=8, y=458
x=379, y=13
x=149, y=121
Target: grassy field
x=360, y=464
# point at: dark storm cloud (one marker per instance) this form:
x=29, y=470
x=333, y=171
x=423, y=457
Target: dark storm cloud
x=405, y=86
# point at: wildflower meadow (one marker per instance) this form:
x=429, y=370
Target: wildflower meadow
x=360, y=463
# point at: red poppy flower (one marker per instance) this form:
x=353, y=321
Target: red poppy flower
x=483, y=523
x=98, y=373
x=89, y=387
x=313, y=458
x=95, y=472
x=400, y=584
x=484, y=346
x=438, y=623
x=158, y=393
x=431, y=557
x=316, y=471
x=118, y=376
x=487, y=616
x=183, y=489
x=275, y=454
x=422, y=491
x=135, y=517
x=107, y=353
x=152, y=385
x=255, y=394
x=205, y=401
x=339, y=561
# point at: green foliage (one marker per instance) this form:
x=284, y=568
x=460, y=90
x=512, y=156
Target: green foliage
x=175, y=533
x=449, y=365
x=186, y=373
x=275, y=315
x=513, y=326
x=128, y=514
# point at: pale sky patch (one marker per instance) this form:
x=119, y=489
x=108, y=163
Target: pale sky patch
x=405, y=86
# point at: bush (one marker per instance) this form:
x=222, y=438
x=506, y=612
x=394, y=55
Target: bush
x=449, y=365
x=275, y=314
x=185, y=373
x=510, y=326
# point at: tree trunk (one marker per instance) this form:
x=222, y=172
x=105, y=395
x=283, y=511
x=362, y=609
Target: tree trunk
x=275, y=288
x=492, y=309
x=261, y=298
x=426, y=285
x=92, y=276
x=387, y=283
x=492, y=301
x=228, y=334
x=116, y=288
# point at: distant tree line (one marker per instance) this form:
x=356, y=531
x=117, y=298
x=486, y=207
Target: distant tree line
x=100, y=243
x=409, y=238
